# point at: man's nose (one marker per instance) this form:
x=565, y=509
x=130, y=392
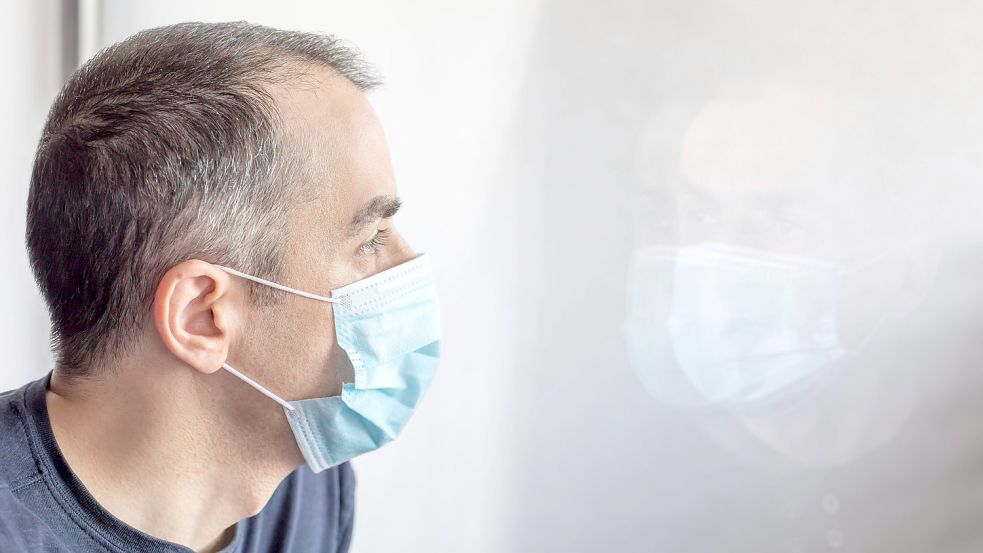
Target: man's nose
x=402, y=251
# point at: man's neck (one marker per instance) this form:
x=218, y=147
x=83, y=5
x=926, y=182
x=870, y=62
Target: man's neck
x=161, y=459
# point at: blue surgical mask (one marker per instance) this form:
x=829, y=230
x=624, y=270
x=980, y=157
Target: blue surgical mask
x=716, y=324
x=389, y=326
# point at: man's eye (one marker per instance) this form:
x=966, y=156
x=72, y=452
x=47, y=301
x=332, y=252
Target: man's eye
x=377, y=241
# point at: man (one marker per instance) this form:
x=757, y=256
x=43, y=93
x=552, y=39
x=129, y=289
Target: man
x=210, y=214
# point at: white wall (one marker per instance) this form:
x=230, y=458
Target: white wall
x=30, y=47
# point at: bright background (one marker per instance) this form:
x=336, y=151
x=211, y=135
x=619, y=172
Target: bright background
x=550, y=154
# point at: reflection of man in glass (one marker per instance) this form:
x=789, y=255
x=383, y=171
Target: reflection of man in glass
x=782, y=250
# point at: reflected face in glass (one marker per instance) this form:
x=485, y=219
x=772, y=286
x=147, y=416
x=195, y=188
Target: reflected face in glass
x=777, y=166
x=779, y=259
x=752, y=171
x=768, y=221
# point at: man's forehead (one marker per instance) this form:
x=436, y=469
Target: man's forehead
x=344, y=147
x=324, y=110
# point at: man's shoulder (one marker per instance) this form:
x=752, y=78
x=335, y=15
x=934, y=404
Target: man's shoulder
x=21, y=530
x=17, y=466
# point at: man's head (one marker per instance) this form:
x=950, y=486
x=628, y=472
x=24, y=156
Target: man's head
x=200, y=144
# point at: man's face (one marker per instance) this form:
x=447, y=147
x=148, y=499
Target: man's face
x=341, y=231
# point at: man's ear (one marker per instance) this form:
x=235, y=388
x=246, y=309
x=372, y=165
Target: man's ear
x=194, y=312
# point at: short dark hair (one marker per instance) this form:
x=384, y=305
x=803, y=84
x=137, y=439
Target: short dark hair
x=164, y=147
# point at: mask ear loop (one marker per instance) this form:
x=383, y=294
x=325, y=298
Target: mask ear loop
x=259, y=387
x=279, y=286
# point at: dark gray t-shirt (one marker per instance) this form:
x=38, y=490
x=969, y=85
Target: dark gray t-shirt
x=45, y=508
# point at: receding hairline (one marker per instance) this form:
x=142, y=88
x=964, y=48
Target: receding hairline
x=303, y=77
x=317, y=110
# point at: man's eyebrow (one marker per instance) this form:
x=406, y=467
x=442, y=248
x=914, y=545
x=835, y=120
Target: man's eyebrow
x=380, y=207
